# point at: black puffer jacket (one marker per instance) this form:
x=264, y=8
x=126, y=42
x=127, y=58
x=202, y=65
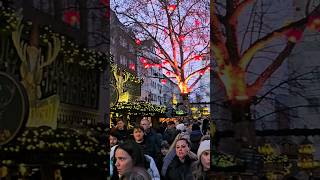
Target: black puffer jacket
x=195, y=138
x=178, y=170
x=152, y=143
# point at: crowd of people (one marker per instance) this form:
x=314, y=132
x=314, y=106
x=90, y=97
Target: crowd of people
x=177, y=150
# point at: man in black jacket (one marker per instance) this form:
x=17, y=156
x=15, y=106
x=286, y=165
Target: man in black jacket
x=151, y=139
x=170, y=133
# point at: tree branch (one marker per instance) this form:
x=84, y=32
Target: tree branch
x=256, y=86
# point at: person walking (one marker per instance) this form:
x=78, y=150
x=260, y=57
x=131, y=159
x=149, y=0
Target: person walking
x=201, y=167
x=170, y=133
x=180, y=166
x=138, y=136
x=195, y=137
x=121, y=130
x=126, y=156
x=151, y=138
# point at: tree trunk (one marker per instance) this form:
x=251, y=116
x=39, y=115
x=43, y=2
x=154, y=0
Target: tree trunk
x=244, y=127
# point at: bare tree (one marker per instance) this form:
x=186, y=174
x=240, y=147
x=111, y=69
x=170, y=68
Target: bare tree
x=240, y=47
x=179, y=32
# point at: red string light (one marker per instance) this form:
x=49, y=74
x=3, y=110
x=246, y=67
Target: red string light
x=163, y=81
x=138, y=42
x=147, y=66
x=294, y=35
x=143, y=60
x=197, y=22
x=72, y=17
x=314, y=23
x=132, y=66
x=198, y=58
x=182, y=38
x=171, y=7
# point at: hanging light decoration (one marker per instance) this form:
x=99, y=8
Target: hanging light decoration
x=197, y=22
x=172, y=7
x=182, y=38
x=143, y=60
x=147, y=66
x=138, y=42
x=163, y=81
x=314, y=23
x=198, y=58
x=72, y=17
x=294, y=35
x=132, y=66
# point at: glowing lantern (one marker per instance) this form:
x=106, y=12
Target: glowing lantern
x=163, y=81
x=132, y=66
x=182, y=38
x=72, y=17
x=314, y=23
x=138, y=42
x=201, y=72
x=197, y=22
x=147, y=66
x=171, y=7
x=143, y=60
x=294, y=35
x=198, y=58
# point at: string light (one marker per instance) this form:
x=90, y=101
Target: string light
x=163, y=81
x=138, y=42
x=294, y=35
x=72, y=17
x=198, y=58
x=171, y=7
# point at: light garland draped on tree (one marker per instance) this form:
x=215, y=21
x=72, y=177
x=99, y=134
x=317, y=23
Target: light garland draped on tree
x=179, y=32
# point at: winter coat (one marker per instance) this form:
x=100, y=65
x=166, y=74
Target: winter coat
x=178, y=170
x=169, y=157
x=153, y=170
x=153, y=144
x=111, y=159
x=195, y=138
x=122, y=134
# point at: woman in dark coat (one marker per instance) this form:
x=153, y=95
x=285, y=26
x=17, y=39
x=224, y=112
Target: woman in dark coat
x=180, y=166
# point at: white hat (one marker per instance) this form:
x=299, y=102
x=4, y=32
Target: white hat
x=204, y=145
x=181, y=127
